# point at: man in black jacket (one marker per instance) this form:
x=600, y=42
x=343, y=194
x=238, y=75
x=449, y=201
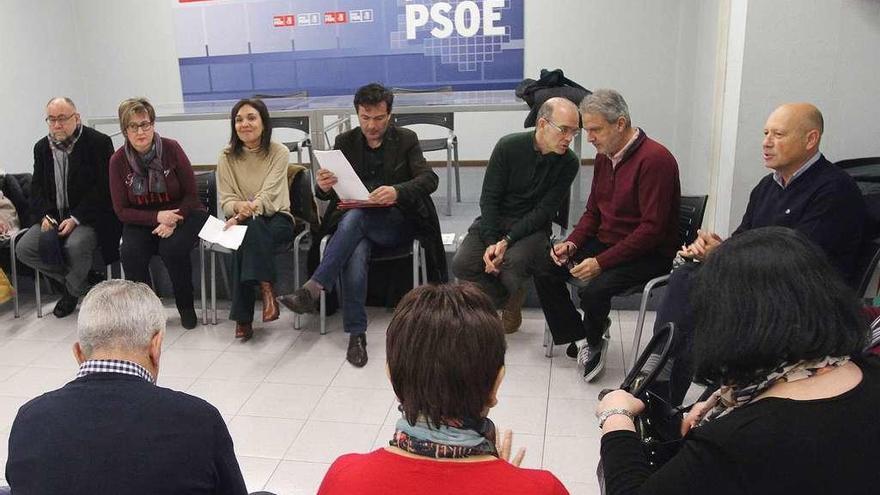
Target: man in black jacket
x=71, y=196
x=112, y=430
x=390, y=163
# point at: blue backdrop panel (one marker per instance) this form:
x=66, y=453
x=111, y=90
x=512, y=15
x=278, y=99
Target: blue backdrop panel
x=232, y=49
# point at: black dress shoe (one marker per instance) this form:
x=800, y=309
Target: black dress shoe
x=65, y=305
x=357, y=350
x=301, y=301
x=188, y=317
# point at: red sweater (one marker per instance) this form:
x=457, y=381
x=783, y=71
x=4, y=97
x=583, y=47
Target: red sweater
x=633, y=208
x=180, y=184
x=381, y=472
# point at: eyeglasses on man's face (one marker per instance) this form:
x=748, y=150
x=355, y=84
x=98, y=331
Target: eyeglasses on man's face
x=565, y=130
x=144, y=126
x=59, y=119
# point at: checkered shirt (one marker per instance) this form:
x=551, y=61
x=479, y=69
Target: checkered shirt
x=113, y=366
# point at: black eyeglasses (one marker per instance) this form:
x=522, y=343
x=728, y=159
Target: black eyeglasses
x=143, y=126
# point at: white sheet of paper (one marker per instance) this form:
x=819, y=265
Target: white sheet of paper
x=213, y=232
x=448, y=238
x=349, y=186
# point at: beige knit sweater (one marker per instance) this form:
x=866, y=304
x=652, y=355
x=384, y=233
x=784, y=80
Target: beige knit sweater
x=254, y=176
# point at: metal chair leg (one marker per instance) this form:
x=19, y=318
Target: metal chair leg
x=15, y=286
x=548, y=342
x=643, y=309
x=457, y=177
x=39, y=296
x=415, y=263
x=202, y=273
x=213, y=288
x=448, y=182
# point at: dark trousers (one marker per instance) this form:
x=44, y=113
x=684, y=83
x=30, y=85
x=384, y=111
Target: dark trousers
x=254, y=261
x=517, y=267
x=139, y=244
x=562, y=317
x=673, y=383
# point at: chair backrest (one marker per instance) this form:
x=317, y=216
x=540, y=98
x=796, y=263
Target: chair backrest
x=690, y=217
x=302, y=199
x=17, y=187
x=206, y=187
x=866, y=173
x=446, y=120
x=296, y=94
x=439, y=89
x=298, y=123
x=561, y=217
x=866, y=264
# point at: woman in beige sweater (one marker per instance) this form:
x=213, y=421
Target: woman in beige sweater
x=252, y=183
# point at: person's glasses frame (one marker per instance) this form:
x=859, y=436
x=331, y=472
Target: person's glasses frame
x=564, y=130
x=143, y=126
x=61, y=119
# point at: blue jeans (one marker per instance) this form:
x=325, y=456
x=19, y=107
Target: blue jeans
x=347, y=255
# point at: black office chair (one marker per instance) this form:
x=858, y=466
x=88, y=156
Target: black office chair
x=449, y=143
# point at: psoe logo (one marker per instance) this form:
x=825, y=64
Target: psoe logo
x=465, y=19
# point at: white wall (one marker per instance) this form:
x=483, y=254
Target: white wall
x=824, y=53
x=38, y=60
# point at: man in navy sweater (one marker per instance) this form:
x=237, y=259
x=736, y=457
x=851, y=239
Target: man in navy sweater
x=112, y=430
x=627, y=235
x=804, y=192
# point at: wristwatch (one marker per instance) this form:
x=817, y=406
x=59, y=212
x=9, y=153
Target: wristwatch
x=613, y=412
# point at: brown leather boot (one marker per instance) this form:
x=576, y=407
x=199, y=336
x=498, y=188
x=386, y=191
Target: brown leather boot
x=511, y=315
x=244, y=330
x=270, y=307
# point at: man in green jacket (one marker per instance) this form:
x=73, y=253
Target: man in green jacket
x=528, y=177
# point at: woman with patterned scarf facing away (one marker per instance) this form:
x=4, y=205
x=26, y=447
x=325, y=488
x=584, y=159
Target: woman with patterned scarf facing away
x=445, y=347
x=154, y=195
x=252, y=184
x=797, y=411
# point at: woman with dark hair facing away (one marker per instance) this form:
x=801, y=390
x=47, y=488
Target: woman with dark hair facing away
x=154, y=196
x=252, y=184
x=445, y=348
x=797, y=411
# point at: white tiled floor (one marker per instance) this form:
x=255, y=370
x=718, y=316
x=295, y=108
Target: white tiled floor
x=293, y=404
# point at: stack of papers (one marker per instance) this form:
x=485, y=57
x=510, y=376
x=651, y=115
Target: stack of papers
x=213, y=232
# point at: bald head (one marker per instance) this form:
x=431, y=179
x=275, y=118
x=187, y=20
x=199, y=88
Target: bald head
x=558, y=122
x=62, y=117
x=791, y=137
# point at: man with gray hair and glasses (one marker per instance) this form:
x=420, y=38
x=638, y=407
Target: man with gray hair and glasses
x=527, y=179
x=70, y=201
x=112, y=430
x=627, y=235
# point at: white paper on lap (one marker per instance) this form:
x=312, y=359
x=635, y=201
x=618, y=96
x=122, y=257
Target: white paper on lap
x=213, y=232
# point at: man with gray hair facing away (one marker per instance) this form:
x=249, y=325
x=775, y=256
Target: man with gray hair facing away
x=527, y=179
x=112, y=430
x=627, y=235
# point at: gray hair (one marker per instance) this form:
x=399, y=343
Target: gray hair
x=61, y=98
x=607, y=103
x=119, y=314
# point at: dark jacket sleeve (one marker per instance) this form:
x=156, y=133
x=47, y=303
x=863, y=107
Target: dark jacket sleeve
x=494, y=185
x=41, y=203
x=96, y=199
x=547, y=207
x=424, y=180
x=229, y=478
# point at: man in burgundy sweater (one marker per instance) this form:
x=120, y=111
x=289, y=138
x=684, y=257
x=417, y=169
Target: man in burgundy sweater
x=627, y=235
